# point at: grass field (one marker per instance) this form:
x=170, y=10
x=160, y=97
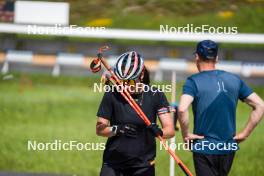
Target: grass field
x=145, y=14
x=41, y=108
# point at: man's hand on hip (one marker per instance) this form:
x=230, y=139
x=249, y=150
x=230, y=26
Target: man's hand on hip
x=189, y=137
x=240, y=137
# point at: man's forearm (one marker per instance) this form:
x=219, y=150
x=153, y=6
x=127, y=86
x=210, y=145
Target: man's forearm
x=184, y=122
x=255, y=117
x=185, y=102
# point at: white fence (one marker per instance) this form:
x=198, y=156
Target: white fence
x=136, y=34
x=245, y=69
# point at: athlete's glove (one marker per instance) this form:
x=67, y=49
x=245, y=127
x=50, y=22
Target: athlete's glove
x=127, y=130
x=155, y=130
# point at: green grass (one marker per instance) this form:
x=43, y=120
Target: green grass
x=41, y=108
x=143, y=14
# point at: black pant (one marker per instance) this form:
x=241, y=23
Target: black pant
x=142, y=171
x=212, y=165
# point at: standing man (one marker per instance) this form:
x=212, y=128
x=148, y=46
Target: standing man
x=214, y=95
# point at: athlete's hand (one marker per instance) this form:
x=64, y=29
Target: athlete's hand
x=240, y=137
x=190, y=137
x=155, y=130
x=127, y=130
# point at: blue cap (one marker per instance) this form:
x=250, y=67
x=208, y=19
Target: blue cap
x=207, y=49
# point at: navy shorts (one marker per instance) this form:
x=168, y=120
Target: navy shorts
x=212, y=165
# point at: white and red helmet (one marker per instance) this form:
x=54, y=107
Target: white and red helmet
x=129, y=66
